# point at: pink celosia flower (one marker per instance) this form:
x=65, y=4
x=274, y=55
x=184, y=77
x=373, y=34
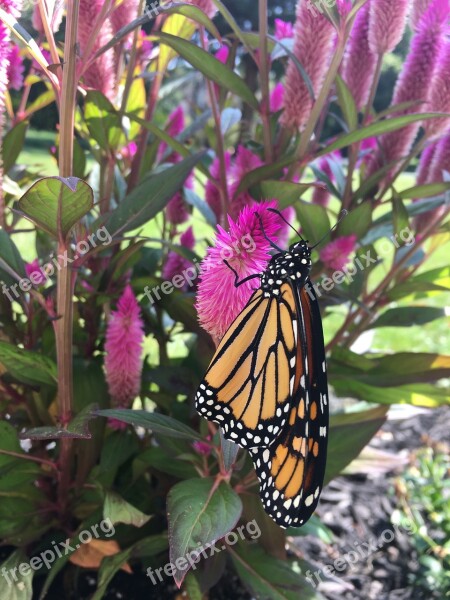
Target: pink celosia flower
x=207, y=6
x=360, y=62
x=314, y=38
x=387, y=24
x=322, y=195
x=439, y=100
x=203, y=448
x=174, y=126
x=418, y=9
x=222, y=54
x=441, y=160
x=336, y=254
x=247, y=251
x=277, y=98
x=283, y=29
x=415, y=81
x=15, y=68
x=129, y=151
x=123, y=346
x=212, y=193
x=175, y=263
x=177, y=210
x=424, y=169
x=101, y=75
x=244, y=162
x=55, y=11
x=33, y=269
x=126, y=12
x=344, y=7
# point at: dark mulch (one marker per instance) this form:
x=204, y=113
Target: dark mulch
x=358, y=510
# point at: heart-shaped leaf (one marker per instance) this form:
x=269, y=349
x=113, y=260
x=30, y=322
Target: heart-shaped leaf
x=56, y=204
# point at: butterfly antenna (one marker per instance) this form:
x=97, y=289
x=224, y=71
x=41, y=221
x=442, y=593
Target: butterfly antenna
x=277, y=212
x=342, y=216
x=271, y=242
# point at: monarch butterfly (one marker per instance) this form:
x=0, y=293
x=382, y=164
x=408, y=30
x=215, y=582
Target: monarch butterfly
x=266, y=386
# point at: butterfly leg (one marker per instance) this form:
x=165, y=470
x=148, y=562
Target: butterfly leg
x=237, y=283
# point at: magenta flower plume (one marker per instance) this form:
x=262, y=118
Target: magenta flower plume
x=247, y=251
x=424, y=169
x=123, y=346
x=212, y=193
x=126, y=12
x=55, y=10
x=175, y=263
x=336, y=255
x=283, y=29
x=415, y=80
x=360, y=62
x=244, y=162
x=277, y=98
x=174, y=126
x=314, y=38
x=223, y=53
x=387, y=24
x=207, y=6
x=101, y=75
x=418, y=9
x=34, y=270
x=177, y=210
x=440, y=94
x=15, y=68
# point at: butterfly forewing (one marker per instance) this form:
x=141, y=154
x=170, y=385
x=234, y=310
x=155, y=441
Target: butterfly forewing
x=251, y=400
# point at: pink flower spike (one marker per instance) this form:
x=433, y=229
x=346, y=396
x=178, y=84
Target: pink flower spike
x=175, y=263
x=248, y=252
x=244, y=162
x=439, y=101
x=222, y=54
x=33, y=269
x=123, y=347
x=314, y=40
x=387, y=24
x=283, y=29
x=424, y=169
x=336, y=255
x=276, y=98
x=15, y=68
x=177, y=210
x=360, y=62
x=203, y=448
x=418, y=9
x=55, y=10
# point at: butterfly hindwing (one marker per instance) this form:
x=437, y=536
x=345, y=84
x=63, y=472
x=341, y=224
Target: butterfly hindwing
x=292, y=469
x=247, y=389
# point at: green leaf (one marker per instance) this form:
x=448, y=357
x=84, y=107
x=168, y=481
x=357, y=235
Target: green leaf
x=150, y=197
x=26, y=366
x=200, y=512
x=12, y=144
x=211, y=68
x=194, y=13
x=56, y=204
x=157, y=423
x=119, y=510
x=347, y=103
x=9, y=257
x=376, y=129
x=76, y=429
x=357, y=222
x=16, y=473
x=136, y=104
x=286, y=192
x=313, y=527
x=428, y=190
x=16, y=582
x=407, y=316
x=270, y=578
x=400, y=215
x=349, y=434
x=203, y=207
x=103, y=121
x=264, y=172
x=229, y=452
x=314, y=220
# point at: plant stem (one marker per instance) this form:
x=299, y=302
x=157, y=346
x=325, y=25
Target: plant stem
x=49, y=33
x=264, y=74
x=64, y=325
x=42, y=461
